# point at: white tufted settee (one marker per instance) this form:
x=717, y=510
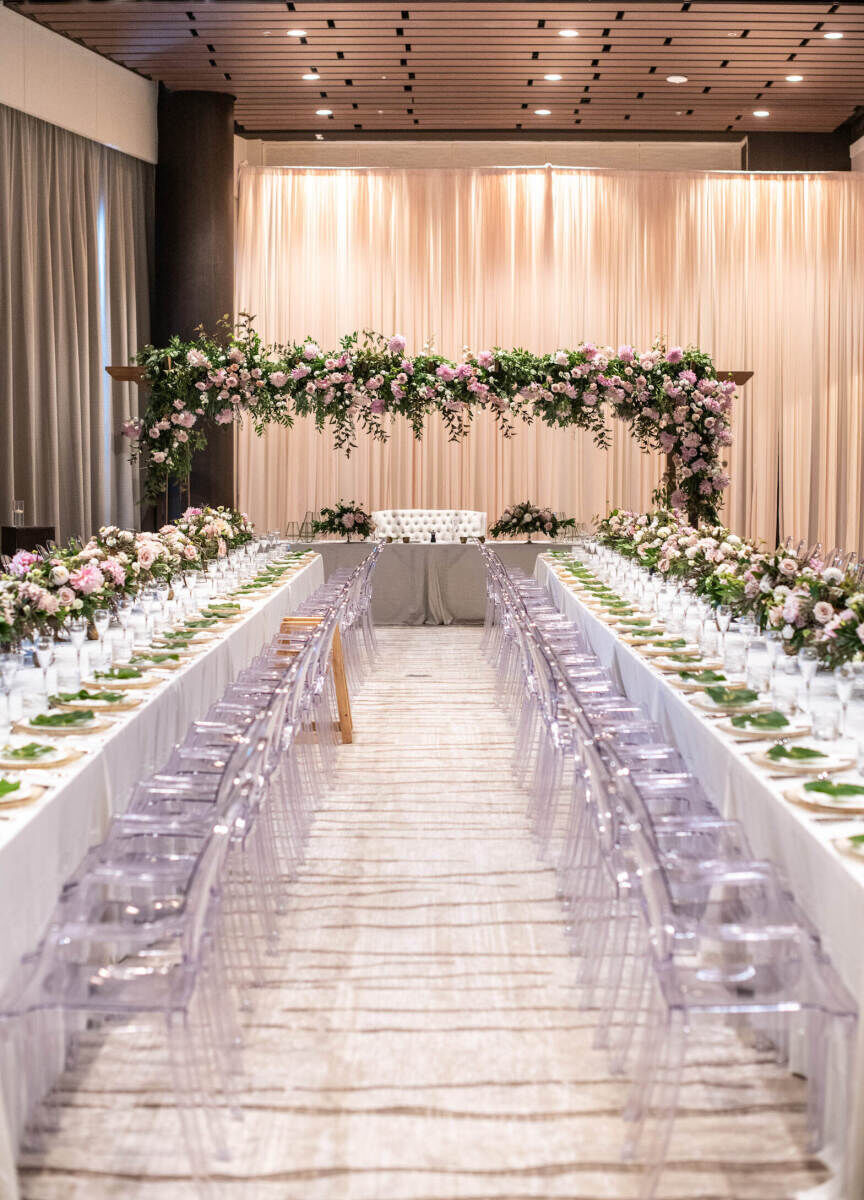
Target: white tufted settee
x=449, y=524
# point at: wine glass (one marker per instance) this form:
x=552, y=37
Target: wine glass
x=44, y=649
x=77, y=627
x=845, y=677
x=808, y=664
x=723, y=617
x=773, y=648
x=8, y=670
x=101, y=621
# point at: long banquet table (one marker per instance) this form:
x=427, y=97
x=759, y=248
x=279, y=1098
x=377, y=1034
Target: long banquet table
x=42, y=844
x=828, y=884
x=423, y=583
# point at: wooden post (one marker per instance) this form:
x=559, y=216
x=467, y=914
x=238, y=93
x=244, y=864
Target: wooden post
x=337, y=665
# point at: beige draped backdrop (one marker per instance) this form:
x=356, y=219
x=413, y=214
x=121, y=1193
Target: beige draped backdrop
x=764, y=272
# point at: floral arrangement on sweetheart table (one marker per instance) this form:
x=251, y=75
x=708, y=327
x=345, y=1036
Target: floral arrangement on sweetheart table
x=41, y=590
x=345, y=519
x=810, y=600
x=527, y=518
x=669, y=397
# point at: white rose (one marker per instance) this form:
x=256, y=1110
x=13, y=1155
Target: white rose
x=59, y=576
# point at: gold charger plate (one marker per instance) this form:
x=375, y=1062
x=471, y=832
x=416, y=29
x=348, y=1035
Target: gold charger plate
x=821, y=803
x=829, y=765
x=120, y=684
x=117, y=706
x=793, y=730
x=661, y=651
x=61, y=731
x=42, y=764
x=23, y=796
x=706, y=705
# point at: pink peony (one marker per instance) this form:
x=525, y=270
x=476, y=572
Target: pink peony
x=146, y=557
x=348, y=520
x=310, y=350
x=675, y=355
x=225, y=417
x=186, y=419
x=21, y=563
x=300, y=371
x=485, y=359
x=396, y=345
x=131, y=429
x=196, y=358
x=87, y=579
x=278, y=379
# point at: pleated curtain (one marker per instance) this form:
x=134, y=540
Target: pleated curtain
x=75, y=266
x=765, y=272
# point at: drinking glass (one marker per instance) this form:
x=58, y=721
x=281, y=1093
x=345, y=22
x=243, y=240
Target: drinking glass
x=101, y=621
x=18, y=513
x=826, y=727
x=723, y=617
x=77, y=627
x=808, y=662
x=9, y=663
x=748, y=629
x=773, y=648
x=844, y=681
x=44, y=649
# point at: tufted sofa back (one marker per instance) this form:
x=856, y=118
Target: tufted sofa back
x=417, y=523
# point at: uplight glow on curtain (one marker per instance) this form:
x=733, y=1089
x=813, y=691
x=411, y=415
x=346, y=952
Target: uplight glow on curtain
x=764, y=272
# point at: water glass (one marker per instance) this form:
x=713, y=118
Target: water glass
x=9, y=663
x=101, y=621
x=44, y=649
x=845, y=677
x=77, y=627
x=808, y=662
x=826, y=726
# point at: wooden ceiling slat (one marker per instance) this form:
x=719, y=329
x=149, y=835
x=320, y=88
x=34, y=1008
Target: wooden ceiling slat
x=469, y=64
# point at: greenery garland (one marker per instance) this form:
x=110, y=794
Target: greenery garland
x=670, y=399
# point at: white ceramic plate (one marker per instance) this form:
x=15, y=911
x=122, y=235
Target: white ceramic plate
x=24, y=794
x=669, y=666
x=795, y=729
x=704, y=702
x=57, y=757
x=814, y=766
x=96, y=725
x=146, y=681
x=819, y=802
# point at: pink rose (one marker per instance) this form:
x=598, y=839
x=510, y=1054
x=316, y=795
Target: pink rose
x=158, y=456
x=65, y=597
x=146, y=557
x=822, y=612
x=181, y=435
x=87, y=579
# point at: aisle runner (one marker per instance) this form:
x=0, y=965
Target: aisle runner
x=418, y=1039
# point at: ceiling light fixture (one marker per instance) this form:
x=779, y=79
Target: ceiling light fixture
x=552, y=78
x=833, y=37
x=319, y=137
x=323, y=112
x=761, y=112
x=296, y=33
x=542, y=112
x=311, y=75
x=568, y=32
x=676, y=78
x=794, y=78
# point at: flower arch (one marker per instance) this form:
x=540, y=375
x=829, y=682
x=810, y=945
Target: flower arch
x=670, y=399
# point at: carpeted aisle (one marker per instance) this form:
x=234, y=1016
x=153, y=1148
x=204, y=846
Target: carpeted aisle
x=418, y=1038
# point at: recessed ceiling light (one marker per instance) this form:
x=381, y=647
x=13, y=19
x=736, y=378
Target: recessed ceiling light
x=296, y=33
x=676, y=78
x=552, y=78
x=319, y=137
x=323, y=112
x=380, y=112
x=761, y=112
x=311, y=75
x=834, y=37
x=568, y=32
x=542, y=112
x=794, y=78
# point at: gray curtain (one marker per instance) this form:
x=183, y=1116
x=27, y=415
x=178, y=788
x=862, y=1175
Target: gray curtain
x=75, y=267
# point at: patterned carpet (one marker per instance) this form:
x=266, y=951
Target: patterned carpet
x=417, y=1038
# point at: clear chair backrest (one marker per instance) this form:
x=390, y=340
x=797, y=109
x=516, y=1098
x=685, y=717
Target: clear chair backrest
x=205, y=884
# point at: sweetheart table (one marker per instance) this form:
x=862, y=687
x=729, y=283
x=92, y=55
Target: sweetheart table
x=42, y=844
x=828, y=884
x=427, y=583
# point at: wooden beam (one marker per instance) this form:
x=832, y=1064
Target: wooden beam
x=127, y=374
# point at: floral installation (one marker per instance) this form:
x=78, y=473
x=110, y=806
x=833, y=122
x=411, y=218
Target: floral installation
x=670, y=398
x=345, y=519
x=527, y=518
x=808, y=601
x=41, y=590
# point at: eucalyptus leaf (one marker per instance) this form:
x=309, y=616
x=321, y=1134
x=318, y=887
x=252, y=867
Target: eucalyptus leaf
x=766, y=720
x=794, y=753
x=728, y=696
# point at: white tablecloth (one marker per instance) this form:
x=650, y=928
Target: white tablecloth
x=40, y=846
x=827, y=884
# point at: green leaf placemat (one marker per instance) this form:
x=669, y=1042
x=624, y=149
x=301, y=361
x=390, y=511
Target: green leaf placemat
x=83, y=694
x=118, y=673
x=31, y=752
x=703, y=676
x=766, y=720
x=838, y=791
x=157, y=658
x=732, y=695
x=781, y=753
x=60, y=720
